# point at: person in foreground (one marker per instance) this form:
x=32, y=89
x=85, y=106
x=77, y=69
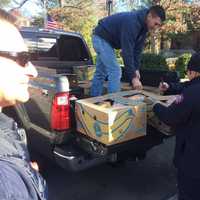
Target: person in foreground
x=184, y=116
x=126, y=31
x=19, y=178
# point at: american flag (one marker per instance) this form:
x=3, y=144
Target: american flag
x=51, y=23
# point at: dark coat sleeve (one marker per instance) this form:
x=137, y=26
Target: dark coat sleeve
x=130, y=49
x=178, y=112
x=176, y=88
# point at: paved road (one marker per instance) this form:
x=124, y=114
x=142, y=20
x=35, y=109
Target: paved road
x=151, y=179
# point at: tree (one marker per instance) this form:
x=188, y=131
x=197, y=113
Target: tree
x=176, y=18
x=37, y=21
x=75, y=15
x=128, y=5
x=4, y=3
x=175, y=22
x=193, y=17
x=182, y=18
x=18, y=3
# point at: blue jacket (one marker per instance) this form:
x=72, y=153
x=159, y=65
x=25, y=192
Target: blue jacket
x=184, y=116
x=126, y=31
x=18, y=180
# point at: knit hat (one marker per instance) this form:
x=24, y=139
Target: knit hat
x=194, y=63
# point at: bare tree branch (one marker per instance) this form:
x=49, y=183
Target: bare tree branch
x=19, y=4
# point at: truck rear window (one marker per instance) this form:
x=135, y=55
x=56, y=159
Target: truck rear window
x=72, y=49
x=56, y=47
x=47, y=48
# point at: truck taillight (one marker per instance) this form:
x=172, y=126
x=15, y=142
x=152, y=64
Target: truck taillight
x=60, y=112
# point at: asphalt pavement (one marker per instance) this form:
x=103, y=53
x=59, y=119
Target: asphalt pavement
x=151, y=179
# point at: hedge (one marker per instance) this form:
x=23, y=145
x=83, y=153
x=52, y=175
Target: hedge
x=181, y=64
x=158, y=62
x=153, y=62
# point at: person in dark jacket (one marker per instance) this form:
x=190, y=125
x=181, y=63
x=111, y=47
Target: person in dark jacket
x=184, y=116
x=19, y=177
x=126, y=31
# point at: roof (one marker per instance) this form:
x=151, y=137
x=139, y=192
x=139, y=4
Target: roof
x=55, y=32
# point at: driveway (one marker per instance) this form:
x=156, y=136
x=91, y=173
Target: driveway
x=151, y=179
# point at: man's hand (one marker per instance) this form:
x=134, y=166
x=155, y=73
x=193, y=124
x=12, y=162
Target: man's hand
x=163, y=86
x=136, y=83
x=137, y=74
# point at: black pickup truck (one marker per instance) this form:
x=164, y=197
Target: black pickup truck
x=48, y=116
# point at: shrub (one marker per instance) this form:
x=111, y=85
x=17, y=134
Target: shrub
x=148, y=61
x=94, y=58
x=153, y=62
x=181, y=64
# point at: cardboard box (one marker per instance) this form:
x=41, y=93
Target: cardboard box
x=84, y=72
x=152, y=95
x=119, y=117
x=152, y=119
x=150, y=98
x=110, y=119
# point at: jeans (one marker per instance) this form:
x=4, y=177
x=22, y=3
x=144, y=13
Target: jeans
x=106, y=67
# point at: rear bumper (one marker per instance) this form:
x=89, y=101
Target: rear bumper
x=74, y=159
x=76, y=156
x=136, y=146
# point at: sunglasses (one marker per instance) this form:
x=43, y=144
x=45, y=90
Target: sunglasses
x=21, y=58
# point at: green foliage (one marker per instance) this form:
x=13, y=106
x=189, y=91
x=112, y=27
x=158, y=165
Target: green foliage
x=94, y=58
x=77, y=15
x=181, y=64
x=37, y=21
x=153, y=61
x=74, y=15
x=4, y=3
x=148, y=61
x=86, y=29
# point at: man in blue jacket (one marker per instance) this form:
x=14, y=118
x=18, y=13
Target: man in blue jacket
x=184, y=116
x=126, y=31
x=19, y=178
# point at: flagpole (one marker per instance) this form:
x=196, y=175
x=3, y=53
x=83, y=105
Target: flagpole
x=45, y=13
x=109, y=6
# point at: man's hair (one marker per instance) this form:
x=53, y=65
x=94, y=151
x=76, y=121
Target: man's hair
x=5, y=16
x=158, y=11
